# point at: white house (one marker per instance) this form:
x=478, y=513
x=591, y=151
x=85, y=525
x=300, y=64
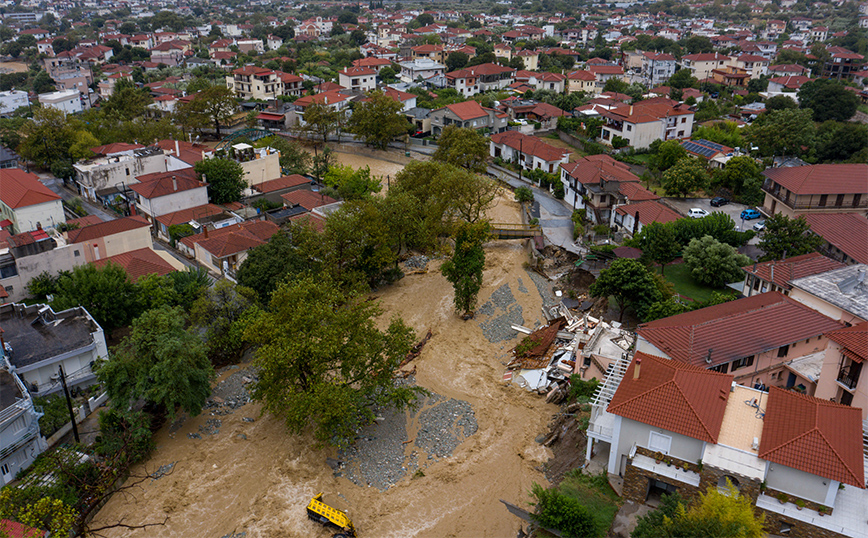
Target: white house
x=27, y=203
x=68, y=101
x=20, y=436
x=12, y=100
x=531, y=152
x=167, y=192
x=362, y=79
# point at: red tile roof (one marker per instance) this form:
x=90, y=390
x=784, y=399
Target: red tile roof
x=530, y=145
x=813, y=435
x=186, y=215
x=793, y=268
x=589, y=170
x=606, y=69
x=307, y=199
x=853, y=339
x=822, y=178
x=649, y=211
x=21, y=189
x=139, y=263
x=635, y=192
x=674, y=396
x=467, y=110
x=581, y=75
x=762, y=322
x=166, y=183
x=85, y=221
x=109, y=227
x=848, y=232
x=117, y=147
x=235, y=238
x=13, y=529
x=283, y=182
x=357, y=71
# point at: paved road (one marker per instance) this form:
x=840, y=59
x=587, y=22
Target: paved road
x=66, y=194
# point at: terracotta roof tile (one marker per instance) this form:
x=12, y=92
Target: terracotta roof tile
x=529, y=145
x=762, y=322
x=139, y=263
x=649, y=211
x=848, y=232
x=307, y=199
x=186, y=215
x=793, y=268
x=234, y=238
x=589, y=170
x=854, y=339
x=284, y=182
x=21, y=189
x=109, y=227
x=813, y=435
x=166, y=183
x=674, y=396
x=467, y=110
x=87, y=220
x=822, y=178
x=117, y=147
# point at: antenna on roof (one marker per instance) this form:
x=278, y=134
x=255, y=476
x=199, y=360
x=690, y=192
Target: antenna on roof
x=708, y=358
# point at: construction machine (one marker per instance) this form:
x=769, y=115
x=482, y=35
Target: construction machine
x=328, y=516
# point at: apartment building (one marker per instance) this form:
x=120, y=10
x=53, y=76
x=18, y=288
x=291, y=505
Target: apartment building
x=358, y=79
x=659, y=118
x=20, y=438
x=820, y=188
x=657, y=67
x=251, y=83
x=529, y=152
x=26, y=204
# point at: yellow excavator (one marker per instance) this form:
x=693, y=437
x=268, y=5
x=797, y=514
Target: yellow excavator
x=322, y=513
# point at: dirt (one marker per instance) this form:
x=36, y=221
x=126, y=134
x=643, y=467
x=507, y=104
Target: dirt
x=13, y=67
x=569, y=448
x=224, y=483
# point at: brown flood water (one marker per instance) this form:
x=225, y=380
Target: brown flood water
x=222, y=484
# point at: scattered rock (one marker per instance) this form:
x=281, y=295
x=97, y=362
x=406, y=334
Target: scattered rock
x=241, y=437
x=248, y=419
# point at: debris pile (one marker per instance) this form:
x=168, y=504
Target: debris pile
x=545, y=359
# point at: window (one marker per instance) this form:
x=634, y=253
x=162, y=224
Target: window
x=823, y=199
x=629, y=127
x=77, y=253
x=657, y=442
x=741, y=363
x=839, y=200
x=683, y=120
x=128, y=171
x=722, y=368
x=4, y=469
x=856, y=199
x=782, y=351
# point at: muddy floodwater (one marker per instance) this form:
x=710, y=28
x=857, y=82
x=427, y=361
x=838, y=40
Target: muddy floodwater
x=234, y=475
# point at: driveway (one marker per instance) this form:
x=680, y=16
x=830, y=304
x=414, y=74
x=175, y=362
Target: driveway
x=683, y=205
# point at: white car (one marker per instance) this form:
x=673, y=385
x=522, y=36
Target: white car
x=697, y=213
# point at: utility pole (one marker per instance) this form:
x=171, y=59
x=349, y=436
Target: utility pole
x=69, y=404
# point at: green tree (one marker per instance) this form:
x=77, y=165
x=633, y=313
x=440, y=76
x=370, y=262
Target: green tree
x=105, y=292
x=284, y=255
x=842, y=141
x=81, y=148
x=126, y=101
x=293, y=158
x=323, y=363
x=630, y=283
x=462, y=147
x=524, y=195
x=214, y=105
x=160, y=362
x=225, y=179
x=714, y=263
x=783, y=132
x=666, y=154
x=464, y=269
x=47, y=137
x=683, y=78
x=555, y=510
x=388, y=75
x=456, y=60
x=687, y=176
x=659, y=244
x=321, y=120
x=223, y=312
x=425, y=19
x=828, y=100
x=617, y=85
x=356, y=245
x=156, y=291
x=784, y=237
x=125, y=432
x=736, y=173
x=189, y=284
x=780, y=102
x=378, y=120
x=716, y=514
x=352, y=184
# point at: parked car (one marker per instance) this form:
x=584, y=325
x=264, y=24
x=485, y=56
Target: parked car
x=697, y=213
x=760, y=225
x=718, y=201
x=750, y=214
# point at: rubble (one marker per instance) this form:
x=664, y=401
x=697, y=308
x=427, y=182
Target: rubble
x=568, y=344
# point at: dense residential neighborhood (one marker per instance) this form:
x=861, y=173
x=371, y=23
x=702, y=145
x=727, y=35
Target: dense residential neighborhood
x=420, y=268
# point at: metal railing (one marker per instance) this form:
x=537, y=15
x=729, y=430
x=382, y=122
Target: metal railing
x=847, y=378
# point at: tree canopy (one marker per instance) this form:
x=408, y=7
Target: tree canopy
x=686, y=176
x=464, y=269
x=714, y=263
x=659, y=244
x=462, y=147
x=160, y=362
x=323, y=363
x=828, y=100
x=784, y=237
x=105, y=292
x=212, y=106
x=225, y=179
x=378, y=120
x=630, y=283
x=783, y=132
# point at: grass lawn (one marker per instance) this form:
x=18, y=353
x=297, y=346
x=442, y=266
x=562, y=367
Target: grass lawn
x=595, y=494
x=679, y=275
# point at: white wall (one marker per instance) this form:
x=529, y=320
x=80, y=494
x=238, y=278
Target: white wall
x=48, y=214
x=175, y=201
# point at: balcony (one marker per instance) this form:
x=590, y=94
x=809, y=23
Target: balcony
x=848, y=377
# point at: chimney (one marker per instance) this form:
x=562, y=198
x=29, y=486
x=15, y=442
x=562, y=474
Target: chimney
x=772, y=279
x=708, y=358
x=174, y=183
x=177, y=151
x=636, y=367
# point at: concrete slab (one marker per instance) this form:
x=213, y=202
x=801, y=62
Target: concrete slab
x=627, y=518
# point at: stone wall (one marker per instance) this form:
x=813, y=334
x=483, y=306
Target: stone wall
x=775, y=523
x=636, y=485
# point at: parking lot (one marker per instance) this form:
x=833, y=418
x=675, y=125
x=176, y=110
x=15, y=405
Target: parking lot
x=683, y=205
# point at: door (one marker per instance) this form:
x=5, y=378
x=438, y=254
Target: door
x=6, y=471
x=791, y=380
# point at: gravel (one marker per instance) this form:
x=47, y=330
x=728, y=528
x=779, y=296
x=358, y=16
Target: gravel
x=502, y=311
x=383, y=454
x=162, y=471
x=231, y=393
x=544, y=287
x=417, y=262
x=242, y=534
x=521, y=287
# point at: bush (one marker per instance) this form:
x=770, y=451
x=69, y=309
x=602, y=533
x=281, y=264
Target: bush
x=56, y=414
x=558, y=190
x=619, y=142
x=601, y=229
x=179, y=231
x=127, y=431
x=582, y=390
x=561, y=512
x=523, y=195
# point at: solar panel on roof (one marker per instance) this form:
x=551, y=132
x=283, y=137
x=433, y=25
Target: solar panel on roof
x=709, y=144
